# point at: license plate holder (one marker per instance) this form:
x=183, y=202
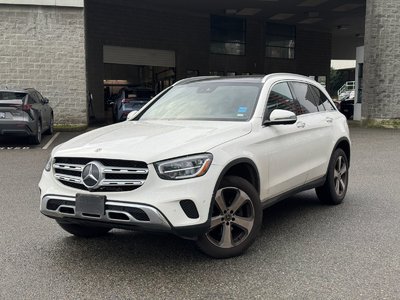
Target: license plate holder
x=90, y=205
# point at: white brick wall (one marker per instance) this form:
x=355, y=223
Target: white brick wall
x=44, y=48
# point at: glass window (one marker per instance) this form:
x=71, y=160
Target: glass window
x=5, y=95
x=280, y=97
x=280, y=41
x=228, y=35
x=322, y=101
x=208, y=100
x=305, y=97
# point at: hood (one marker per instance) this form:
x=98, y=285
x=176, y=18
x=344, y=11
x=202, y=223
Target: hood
x=151, y=141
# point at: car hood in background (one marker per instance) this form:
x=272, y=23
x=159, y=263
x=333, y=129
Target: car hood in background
x=152, y=141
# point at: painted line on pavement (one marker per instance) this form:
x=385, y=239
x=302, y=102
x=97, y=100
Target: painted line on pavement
x=51, y=141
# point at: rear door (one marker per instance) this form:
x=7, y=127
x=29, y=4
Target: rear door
x=317, y=125
x=38, y=108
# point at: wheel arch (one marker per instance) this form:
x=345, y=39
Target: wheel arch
x=344, y=144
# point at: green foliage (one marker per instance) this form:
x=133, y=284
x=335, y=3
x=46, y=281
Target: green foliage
x=337, y=79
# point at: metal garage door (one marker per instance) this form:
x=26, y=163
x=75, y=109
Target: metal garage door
x=138, y=56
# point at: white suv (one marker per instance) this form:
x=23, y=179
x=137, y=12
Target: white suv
x=202, y=160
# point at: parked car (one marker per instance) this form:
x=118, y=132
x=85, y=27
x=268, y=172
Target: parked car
x=130, y=100
x=25, y=113
x=202, y=160
x=347, y=108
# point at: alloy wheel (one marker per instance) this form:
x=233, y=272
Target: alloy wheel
x=232, y=218
x=340, y=176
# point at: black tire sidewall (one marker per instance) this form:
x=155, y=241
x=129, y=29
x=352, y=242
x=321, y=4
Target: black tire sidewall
x=212, y=250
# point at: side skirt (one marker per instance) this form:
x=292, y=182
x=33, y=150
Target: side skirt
x=313, y=184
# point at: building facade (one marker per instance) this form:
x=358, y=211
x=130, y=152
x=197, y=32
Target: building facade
x=68, y=49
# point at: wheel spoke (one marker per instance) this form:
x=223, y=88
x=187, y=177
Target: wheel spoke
x=245, y=223
x=337, y=189
x=215, y=221
x=339, y=163
x=219, y=200
x=343, y=169
x=226, y=238
x=342, y=185
x=335, y=173
x=239, y=200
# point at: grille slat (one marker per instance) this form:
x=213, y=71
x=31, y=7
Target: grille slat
x=116, y=175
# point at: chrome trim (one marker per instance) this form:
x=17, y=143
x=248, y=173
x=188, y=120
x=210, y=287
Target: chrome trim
x=103, y=182
x=156, y=219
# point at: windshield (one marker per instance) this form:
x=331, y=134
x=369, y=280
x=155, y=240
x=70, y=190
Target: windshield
x=207, y=100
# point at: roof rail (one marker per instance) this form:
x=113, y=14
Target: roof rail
x=194, y=79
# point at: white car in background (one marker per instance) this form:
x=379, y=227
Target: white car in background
x=202, y=160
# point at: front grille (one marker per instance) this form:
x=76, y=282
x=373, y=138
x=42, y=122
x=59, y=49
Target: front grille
x=115, y=175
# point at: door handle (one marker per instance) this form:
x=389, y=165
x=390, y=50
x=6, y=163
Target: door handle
x=329, y=119
x=300, y=124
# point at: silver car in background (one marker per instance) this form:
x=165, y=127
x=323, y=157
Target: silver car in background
x=25, y=113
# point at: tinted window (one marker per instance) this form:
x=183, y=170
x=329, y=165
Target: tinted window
x=31, y=100
x=305, y=97
x=11, y=95
x=228, y=35
x=322, y=100
x=281, y=98
x=280, y=41
x=34, y=95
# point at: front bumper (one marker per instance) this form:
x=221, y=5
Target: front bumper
x=155, y=206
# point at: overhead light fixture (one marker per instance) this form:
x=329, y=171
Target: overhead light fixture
x=347, y=7
x=310, y=21
x=248, y=11
x=279, y=17
x=311, y=3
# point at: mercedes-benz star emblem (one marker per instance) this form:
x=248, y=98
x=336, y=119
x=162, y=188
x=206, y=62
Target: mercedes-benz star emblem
x=92, y=175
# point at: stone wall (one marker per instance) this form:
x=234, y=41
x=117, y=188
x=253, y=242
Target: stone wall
x=381, y=93
x=44, y=47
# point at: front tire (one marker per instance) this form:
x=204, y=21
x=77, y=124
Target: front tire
x=236, y=217
x=335, y=187
x=50, y=130
x=82, y=230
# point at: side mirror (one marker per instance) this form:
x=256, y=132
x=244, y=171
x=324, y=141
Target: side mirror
x=45, y=100
x=281, y=117
x=131, y=115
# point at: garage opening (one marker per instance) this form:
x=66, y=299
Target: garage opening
x=132, y=76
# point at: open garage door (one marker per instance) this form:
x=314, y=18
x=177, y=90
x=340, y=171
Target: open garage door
x=134, y=71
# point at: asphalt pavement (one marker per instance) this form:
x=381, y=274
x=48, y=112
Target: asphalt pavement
x=305, y=250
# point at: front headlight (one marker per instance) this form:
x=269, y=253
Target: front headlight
x=48, y=164
x=184, y=167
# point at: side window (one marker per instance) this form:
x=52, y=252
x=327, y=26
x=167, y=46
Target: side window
x=39, y=96
x=305, y=97
x=31, y=100
x=33, y=97
x=322, y=99
x=280, y=97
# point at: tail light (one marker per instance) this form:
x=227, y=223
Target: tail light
x=26, y=107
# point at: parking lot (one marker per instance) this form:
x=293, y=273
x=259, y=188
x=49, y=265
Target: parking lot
x=305, y=250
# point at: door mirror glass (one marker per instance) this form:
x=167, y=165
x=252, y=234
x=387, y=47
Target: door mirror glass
x=281, y=117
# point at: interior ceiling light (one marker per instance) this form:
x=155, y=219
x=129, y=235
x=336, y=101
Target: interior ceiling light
x=347, y=7
x=311, y=3
x=248, y=11
x=282, y=16
x=310, y=21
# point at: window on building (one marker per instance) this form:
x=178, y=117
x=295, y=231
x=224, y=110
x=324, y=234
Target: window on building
x=280, y=41
x=228, y=35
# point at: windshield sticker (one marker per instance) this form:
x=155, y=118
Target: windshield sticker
x=242, y=109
